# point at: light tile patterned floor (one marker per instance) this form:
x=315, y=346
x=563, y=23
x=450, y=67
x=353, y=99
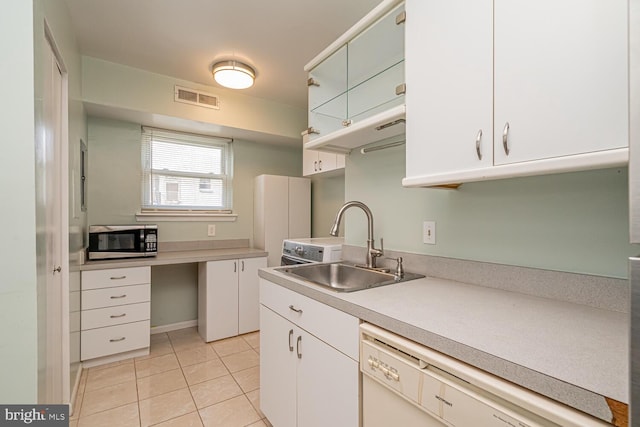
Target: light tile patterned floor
x=183, y=382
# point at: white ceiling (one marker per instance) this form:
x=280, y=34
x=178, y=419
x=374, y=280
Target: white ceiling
x=183, y=38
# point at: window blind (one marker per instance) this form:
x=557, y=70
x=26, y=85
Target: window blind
x=182, y=171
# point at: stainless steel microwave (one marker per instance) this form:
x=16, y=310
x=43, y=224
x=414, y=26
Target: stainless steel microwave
x=122, y=241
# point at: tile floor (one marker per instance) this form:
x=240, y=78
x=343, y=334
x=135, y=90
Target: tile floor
x=182, y=382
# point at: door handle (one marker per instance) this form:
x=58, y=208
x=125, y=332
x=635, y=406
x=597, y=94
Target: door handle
x=505, y=138
x=298, y=350
x=290, y=336
x=478, y=139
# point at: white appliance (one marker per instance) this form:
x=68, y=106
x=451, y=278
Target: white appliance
x=409, y=385
x=281, y=209
x=306, y=251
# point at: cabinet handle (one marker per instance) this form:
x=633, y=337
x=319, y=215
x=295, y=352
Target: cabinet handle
x=297, y=310
x=116, y=316
x=310, y=130
x=117, y=339
x=346, y=123
x=393, y=123
x=401, y=89
x=119, y=278
x=242, y=268
x=312, y=82
x=290, y=336
x=505, y=138
x=319, y=164
x=478, y=139
x=57, y=270
x=315, y=166
x=119, y=296
x=235, y=266
x=401, y=17
x=298, y=341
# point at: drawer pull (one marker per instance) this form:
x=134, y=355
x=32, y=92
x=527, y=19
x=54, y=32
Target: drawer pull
x=119, y=278
x=117, y=339
x=116, y=316
x=297, y=310
x=119, y=296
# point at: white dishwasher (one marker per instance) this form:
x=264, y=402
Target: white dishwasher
x=406, y=384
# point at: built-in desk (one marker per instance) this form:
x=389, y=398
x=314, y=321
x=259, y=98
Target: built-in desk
x=116, y=298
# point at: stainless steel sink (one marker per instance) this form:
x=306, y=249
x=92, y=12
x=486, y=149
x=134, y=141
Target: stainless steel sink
x=344, y=277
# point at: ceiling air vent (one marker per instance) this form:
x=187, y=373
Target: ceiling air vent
x=196, y=97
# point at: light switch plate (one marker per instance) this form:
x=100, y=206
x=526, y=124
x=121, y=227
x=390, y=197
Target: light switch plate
x=211, y=230
x=429, y=232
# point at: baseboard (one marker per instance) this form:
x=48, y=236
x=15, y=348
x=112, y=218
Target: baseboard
x=173, y=326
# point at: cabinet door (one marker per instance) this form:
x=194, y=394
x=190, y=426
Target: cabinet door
x=221, y=299
x=560, y=77
x=277, y=369
x=309, y=162
x=449, y=47
x=327, y=385
x=248, y=294
x=330, y=77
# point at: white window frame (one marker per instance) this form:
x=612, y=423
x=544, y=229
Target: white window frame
x=150, y=211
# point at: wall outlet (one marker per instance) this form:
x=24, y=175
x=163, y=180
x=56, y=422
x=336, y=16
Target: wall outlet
x=429, y=232
x=211, y=230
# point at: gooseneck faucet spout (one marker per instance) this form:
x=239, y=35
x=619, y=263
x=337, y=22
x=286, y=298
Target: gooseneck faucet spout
x=372, y=252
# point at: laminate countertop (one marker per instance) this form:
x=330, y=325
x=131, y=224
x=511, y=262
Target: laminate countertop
x=173, y=257
x=572, y=353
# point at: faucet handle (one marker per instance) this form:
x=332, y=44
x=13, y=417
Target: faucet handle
x=399, y=267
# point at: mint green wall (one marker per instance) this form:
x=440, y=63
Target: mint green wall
x=114, y=180
x=575, y=222
x=114, y=198
x=18, y=347
x=327, y=196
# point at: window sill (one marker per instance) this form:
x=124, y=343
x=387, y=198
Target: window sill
x=185, y=216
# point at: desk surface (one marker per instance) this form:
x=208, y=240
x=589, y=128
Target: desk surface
x=174, y=257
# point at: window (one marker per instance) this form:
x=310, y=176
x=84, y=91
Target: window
x=182, y=171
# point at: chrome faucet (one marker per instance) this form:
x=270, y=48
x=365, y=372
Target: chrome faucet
x=372, y=252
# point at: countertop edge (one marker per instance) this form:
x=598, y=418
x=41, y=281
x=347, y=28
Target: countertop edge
x=561, y=391
x=173, y=257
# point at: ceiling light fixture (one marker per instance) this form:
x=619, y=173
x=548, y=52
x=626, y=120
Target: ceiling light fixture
x=233, y=74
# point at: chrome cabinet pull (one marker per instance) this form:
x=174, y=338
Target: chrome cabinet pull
x=505, y=138
x=298, y=350
x=319, y=164
x=478, y=139
x=315, y=166
x=116, y=316
x=235, y=266
x=119, y=296
x=312, y=82
x=119, y=278
x=290, y=336
x=297, y=310
x=117, y=339
x=242, y=269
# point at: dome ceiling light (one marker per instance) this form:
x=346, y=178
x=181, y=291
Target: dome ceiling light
x=233, y=74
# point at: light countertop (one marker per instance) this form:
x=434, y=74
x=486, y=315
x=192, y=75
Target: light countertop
x=174, y=257
x=572, y=353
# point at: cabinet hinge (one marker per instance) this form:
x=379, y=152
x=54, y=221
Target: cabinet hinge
x=401, y=17
x=312, y=82
x=401, y=89
x=309, y=131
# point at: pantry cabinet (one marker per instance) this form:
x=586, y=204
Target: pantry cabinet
x=359, y=77
x=514, y=88
x=308, y=351
x=228, y=302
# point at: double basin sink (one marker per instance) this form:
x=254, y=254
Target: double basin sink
x=341, y=277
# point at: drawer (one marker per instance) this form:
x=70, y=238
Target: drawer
x=96, y=279
x=114, y=339
x=109, y=297
x=335, y=327
x=110, y=316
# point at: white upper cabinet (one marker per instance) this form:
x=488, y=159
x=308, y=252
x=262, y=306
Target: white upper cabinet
x=356, y=81
x=511, y=88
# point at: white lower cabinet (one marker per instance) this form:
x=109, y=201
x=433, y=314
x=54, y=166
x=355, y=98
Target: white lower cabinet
x=228, y=302
x=306, y=380
x=115, y=311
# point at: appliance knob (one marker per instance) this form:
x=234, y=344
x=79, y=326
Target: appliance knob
x=300, y=250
